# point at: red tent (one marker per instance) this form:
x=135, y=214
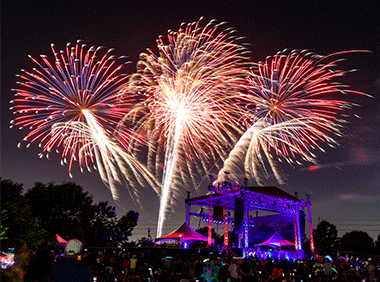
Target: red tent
x=60, y=240
x=185, y=234
x=276, y=240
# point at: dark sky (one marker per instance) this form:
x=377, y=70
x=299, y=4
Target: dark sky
x=345, y=188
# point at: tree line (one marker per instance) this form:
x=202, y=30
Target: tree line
x=39, y=213
x=356, y=242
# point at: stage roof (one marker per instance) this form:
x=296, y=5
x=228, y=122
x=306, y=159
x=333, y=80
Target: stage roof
x=268, y=198
x=267, y=190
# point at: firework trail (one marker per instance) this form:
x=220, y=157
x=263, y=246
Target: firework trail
x=189, y=112
x=75, y=103
x=256, y=144
x=296, y=87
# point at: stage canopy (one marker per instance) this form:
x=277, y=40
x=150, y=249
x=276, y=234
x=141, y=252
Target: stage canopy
x=276, y=241
x=185, y=234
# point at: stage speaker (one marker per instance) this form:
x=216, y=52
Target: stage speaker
x=239, y=215
x=302, y=228
x=218, y=213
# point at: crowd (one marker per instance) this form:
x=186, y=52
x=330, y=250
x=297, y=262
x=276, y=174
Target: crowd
x=77, y=264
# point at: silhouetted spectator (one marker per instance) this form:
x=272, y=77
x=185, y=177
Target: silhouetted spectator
x=40, y=267
x=15, y=255
x=70, y=269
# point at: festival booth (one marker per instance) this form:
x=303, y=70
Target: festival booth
x=185, y=235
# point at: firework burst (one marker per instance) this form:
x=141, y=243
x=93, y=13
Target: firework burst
x=295, y=110
x=189, y=112
x=75, y=103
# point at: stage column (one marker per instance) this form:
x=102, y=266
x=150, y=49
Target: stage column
x=226, y=228
x=299, y=235
x=246, y=226
x=296, y=233
x=187, y=213
x=310, y=225
x=209, y=237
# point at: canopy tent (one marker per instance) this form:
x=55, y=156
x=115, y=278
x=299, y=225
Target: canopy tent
x=276, y=241
x=61, y=241
x=184, y=234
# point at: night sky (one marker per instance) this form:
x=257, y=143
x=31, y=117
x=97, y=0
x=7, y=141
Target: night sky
x=344, y=188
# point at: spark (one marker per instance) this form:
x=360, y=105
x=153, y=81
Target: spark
x=296, y=87
x=190, y=113
x=75, y=103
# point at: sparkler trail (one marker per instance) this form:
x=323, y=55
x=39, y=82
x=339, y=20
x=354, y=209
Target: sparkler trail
x=76, y=103
x=189, y=112
x=296, y=87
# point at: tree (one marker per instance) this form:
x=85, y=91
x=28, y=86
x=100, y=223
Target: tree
x=103, y=225
x=3, y=229
x=325, y=237
x=109, y=231
x=19, y=221
x=125, y=226
x=63, y=209
x=10, y=190
x=358, y=242
x=377, y=244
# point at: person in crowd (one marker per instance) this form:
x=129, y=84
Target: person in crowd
x=209, y=271
x=40, y=267
x=14, y=257
x=277, y=273
x=246, y=270
x=70, y=269
x=126, y=263
x=233, y=271
x=178, y=266
x=133, y=265
x=328, y=272
x=371, y=270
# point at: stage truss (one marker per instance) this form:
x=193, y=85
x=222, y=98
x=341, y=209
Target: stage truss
x=223, y=195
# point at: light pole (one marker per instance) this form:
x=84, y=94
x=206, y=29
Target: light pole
x=148, y=235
